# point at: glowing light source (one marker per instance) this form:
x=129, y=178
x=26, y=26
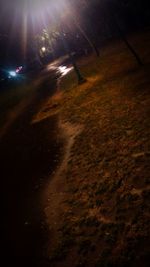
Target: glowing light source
x=43, y=49
x=12, y=73
x=18, y=69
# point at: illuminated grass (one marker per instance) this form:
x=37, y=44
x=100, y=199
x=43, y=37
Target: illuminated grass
x=108, y=159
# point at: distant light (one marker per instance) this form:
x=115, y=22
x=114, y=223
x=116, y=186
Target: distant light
x=43, y=49
x=18, y=69
x=12, y=73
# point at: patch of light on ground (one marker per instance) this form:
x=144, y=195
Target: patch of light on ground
x=51, y=67
x=64, y=70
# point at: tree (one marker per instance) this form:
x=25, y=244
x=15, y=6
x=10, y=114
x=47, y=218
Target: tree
x=77, y=12
x=114, y=16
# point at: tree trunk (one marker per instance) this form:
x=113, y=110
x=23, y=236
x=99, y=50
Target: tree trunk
x=93, y=46
x=81, y=79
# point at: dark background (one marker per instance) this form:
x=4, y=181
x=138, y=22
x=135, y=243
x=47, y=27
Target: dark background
x=95, y=16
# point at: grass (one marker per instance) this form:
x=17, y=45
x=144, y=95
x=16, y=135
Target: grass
x=109, y=158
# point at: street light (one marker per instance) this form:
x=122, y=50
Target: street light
x=12, y=74
x=56, y=9
x=43, y=49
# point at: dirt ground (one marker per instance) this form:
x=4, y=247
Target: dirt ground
x=29, y=153
x=100, y=205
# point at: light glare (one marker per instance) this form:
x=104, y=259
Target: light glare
x=12, y=73
x=43, y=49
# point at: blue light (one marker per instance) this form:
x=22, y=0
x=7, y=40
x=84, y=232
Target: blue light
x=12, y=73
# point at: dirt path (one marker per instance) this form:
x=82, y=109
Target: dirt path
x=55, y=192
